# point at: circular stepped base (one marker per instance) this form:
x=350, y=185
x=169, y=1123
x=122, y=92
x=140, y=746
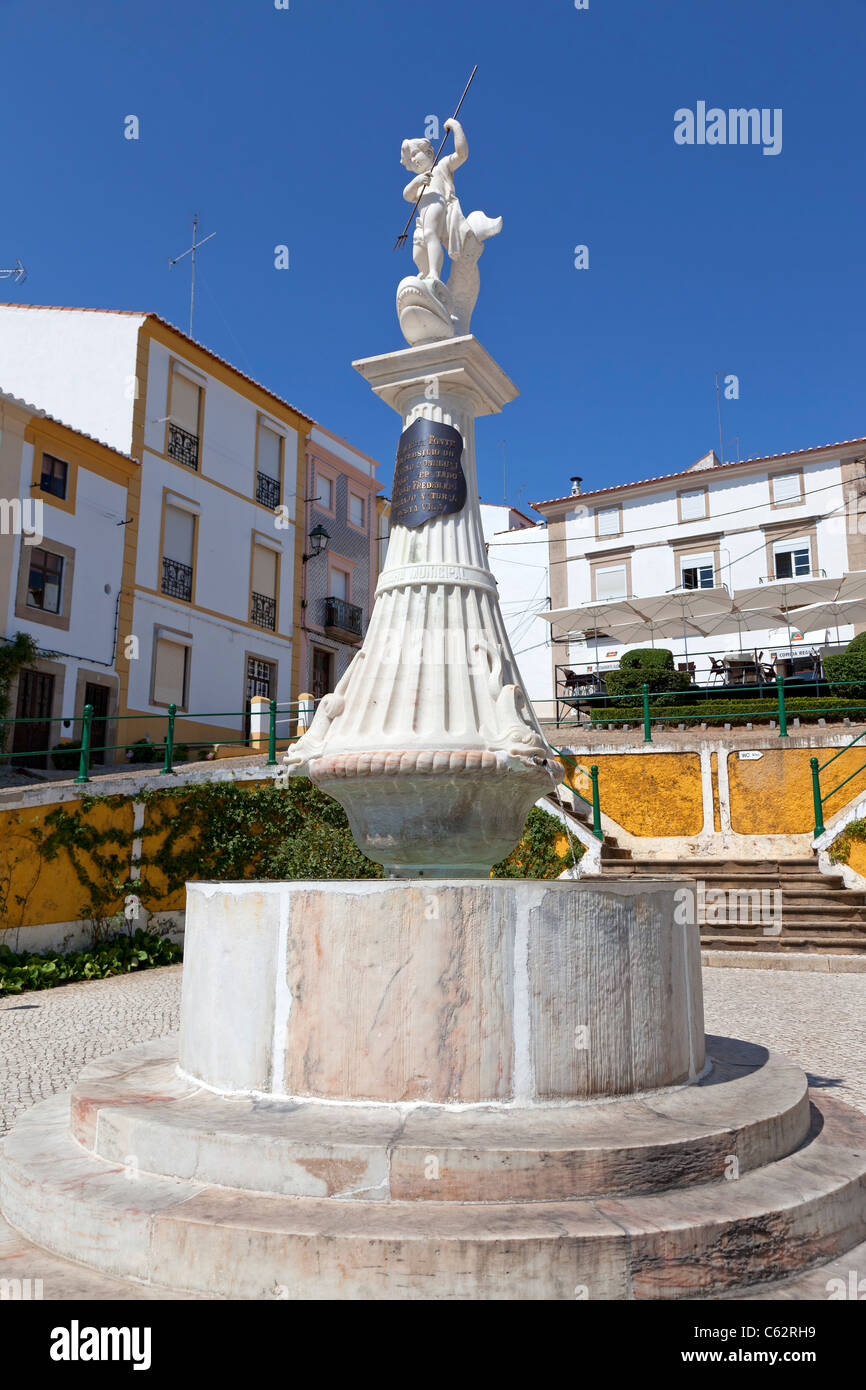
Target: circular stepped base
x=628, y=1199
x=751, y=1106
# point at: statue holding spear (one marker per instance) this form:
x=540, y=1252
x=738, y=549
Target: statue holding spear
x=428, y=308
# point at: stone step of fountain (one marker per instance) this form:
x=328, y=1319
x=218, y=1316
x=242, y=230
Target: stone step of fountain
x=751, y=1109
x=779, y=1220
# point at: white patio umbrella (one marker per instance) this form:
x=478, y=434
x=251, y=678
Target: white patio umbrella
x=605, y=618
x=789, y=595
x=852, y=586
x=820, y=617
x=680, y=612
x=742, y=620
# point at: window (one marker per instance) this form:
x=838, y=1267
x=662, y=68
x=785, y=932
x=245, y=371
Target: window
x=268, y=465
x=610, y=582
x=697, y=572
x=183, y=425
x=263, y=601
x=693, y=504
x=45, y=580
x=170, y=670
x=792, y=559
x=787, y=489
x=177, y=552
x=340, y=585
x=55, y=476
x=607, y=521
x=325, y=492
x=356, y=509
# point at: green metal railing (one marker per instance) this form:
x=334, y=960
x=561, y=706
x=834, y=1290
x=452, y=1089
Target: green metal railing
x=594, y=802
x=84, y=750
x=788, y=699
x=818, y=798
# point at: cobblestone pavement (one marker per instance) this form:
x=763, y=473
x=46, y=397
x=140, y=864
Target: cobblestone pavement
x=46, y=1037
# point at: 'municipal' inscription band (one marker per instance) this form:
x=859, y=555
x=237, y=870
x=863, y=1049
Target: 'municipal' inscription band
x=469, y=576
x=428, y=480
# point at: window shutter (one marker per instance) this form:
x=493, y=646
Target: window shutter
x=269, y=452
x=185, y=397
x=169, y=672
x=339, y=584
x=608, y=521
x=610, y=583
x=786, y=487
x=264, y=571
x=178, y=534
x=693, y=505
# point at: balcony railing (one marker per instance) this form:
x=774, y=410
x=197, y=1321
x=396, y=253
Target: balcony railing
x=267, y=490
x=176, y=579
x=344, y=616
x=263, y=611
x=182, y=446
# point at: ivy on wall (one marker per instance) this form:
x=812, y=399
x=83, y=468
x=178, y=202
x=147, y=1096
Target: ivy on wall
x=223, y=831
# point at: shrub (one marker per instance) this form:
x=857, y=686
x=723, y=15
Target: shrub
x=652, y=666
x=118, y=956
x=840, y=850
x=143, y=751
x=849, y=665
x=66, y=757
x=727, y=711
x=536, y=855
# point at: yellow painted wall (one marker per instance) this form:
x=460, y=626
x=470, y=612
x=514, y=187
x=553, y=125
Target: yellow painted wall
x=772, y=795
x=47, y=892
x=650, y=794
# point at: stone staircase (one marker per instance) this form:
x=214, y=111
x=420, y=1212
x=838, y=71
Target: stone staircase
x=759, y=905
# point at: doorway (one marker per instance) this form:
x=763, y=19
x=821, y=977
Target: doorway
x=97, y=696
x=323, y=672
x=259, y=680
x=35, y=703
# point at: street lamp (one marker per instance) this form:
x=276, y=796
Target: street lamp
x=318, y=539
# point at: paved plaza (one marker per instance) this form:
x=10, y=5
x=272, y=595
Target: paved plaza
x=46, y=1038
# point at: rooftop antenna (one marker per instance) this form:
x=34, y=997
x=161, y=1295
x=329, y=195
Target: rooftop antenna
x=17, y=273
x=190, y=251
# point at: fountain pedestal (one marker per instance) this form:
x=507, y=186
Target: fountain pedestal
x=429, y=741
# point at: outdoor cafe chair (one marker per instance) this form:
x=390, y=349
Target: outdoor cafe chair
x=718, y=671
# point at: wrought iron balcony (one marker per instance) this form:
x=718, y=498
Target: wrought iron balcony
x=267, y=490
x=182, y=446
x=344, y=618
x=263, y=611
x=176, y=579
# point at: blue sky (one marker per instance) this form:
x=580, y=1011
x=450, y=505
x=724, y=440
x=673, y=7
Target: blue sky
x=284, y=127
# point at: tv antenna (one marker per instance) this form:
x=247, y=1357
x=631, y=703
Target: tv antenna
x=17, y=273
x=190, y=251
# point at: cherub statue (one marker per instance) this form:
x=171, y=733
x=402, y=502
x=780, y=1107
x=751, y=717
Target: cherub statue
x=428, y=308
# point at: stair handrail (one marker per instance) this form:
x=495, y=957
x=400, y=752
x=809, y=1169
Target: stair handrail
x=818, y=798
x=594, y=804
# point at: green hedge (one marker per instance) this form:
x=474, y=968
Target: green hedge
x=721, y=711
x=652, y=666
x=118, y=956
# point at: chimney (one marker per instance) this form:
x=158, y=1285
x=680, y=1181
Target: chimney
x=575, y=486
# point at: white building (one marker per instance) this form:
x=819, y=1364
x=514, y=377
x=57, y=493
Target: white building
x=64, y=499
x=736, y=525
x=209, y=573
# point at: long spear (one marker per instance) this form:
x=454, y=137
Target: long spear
x=401, y=240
